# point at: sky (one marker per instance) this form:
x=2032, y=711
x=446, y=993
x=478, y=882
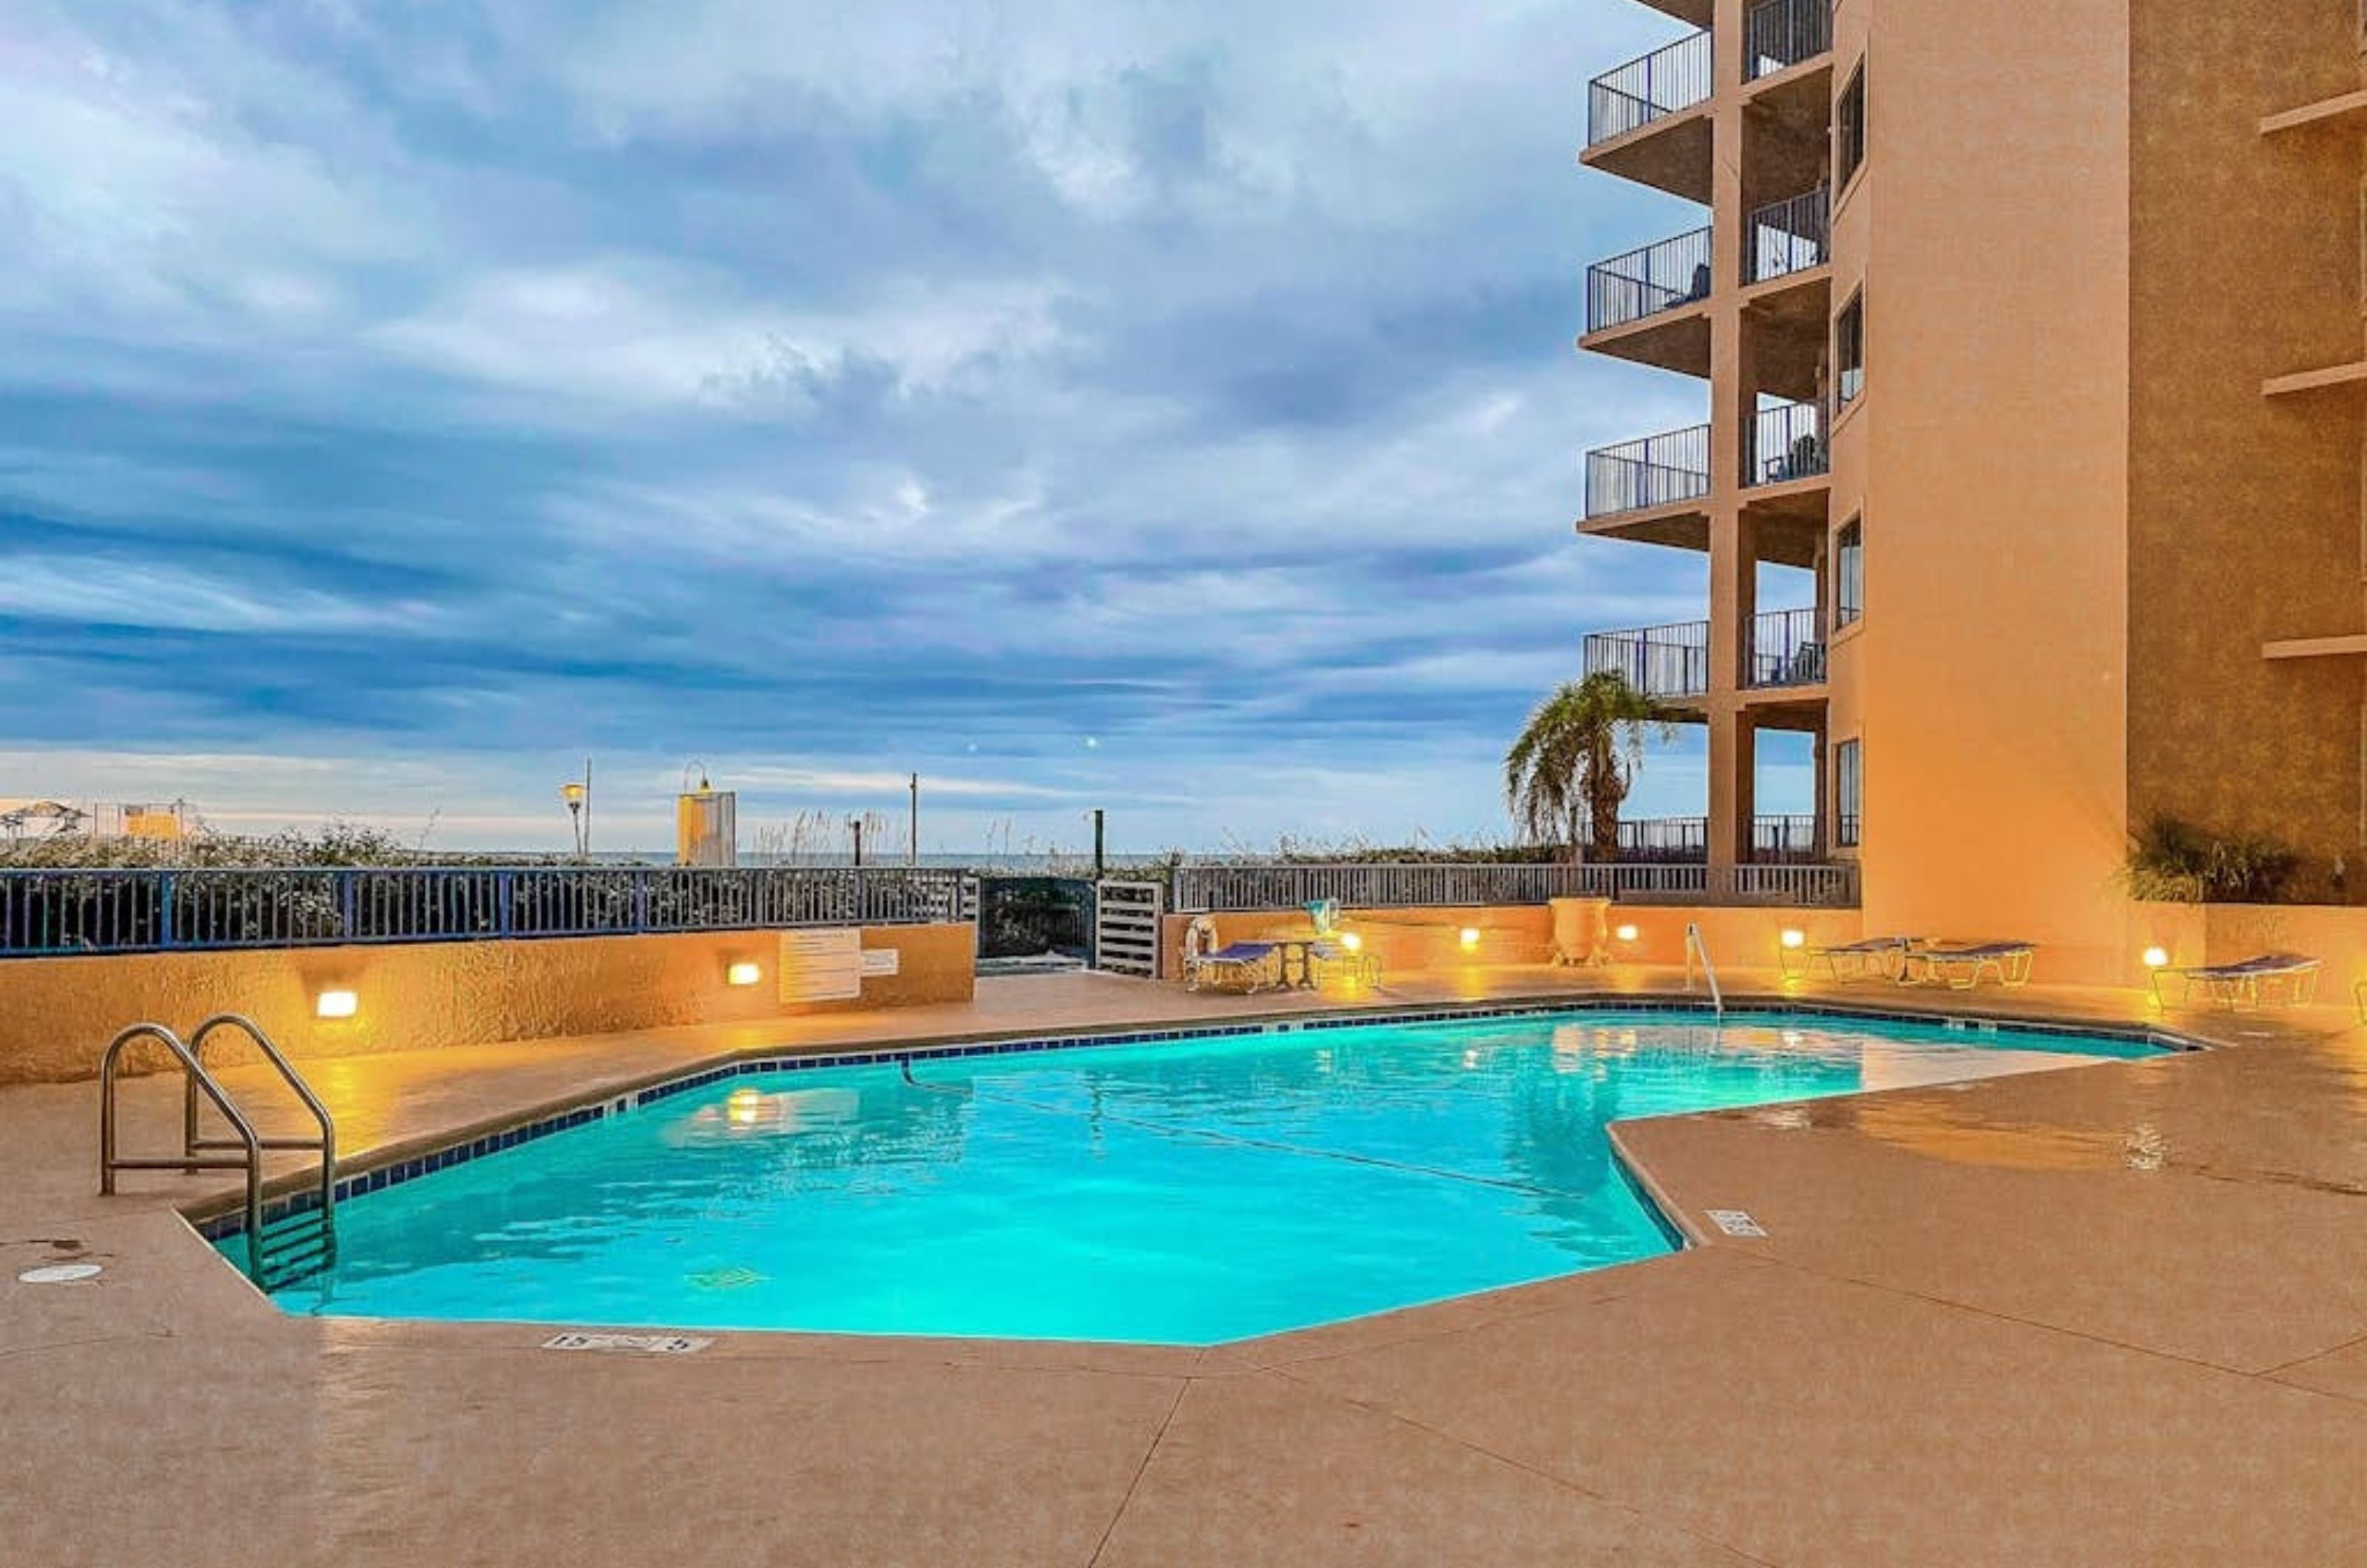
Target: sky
x=1169, y=407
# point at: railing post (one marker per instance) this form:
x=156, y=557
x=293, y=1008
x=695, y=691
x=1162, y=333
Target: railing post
x=165, y=909
x=505, y=902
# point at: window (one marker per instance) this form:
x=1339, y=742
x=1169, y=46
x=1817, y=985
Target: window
x=1849, y=574
x=1848, y=782
x=1849, y=129
x=1848, y=348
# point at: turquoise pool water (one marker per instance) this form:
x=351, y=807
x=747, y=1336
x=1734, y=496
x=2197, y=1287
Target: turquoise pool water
x=1187, y=1193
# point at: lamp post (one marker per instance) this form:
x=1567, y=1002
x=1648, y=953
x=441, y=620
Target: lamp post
x=577, y=794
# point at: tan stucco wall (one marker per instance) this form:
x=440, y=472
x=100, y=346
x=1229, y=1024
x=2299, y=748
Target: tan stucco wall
x=1994, y=433
x=2244, y=512
x=57, y=1014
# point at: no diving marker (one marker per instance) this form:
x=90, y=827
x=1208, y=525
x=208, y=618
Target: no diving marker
x=631, y=1343
x=1734, y=1222
x=59, y=1274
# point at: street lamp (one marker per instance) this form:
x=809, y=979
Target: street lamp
x=575, y=792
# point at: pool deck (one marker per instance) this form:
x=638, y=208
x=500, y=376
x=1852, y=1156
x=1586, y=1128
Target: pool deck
x=2100, y=1315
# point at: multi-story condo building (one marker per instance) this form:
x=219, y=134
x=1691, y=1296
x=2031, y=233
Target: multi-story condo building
x=2033, y=331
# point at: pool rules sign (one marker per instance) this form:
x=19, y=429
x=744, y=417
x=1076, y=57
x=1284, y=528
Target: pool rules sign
x=821, y=965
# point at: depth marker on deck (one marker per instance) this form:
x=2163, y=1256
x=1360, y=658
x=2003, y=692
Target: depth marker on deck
x=638, y=1344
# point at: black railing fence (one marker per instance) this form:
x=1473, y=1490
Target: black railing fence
x=50, y=913
x=1659, y=470
x=1788, y=236
x=1659, y=661
x=1662, y=82
x=1783, y=648
x=1788, y=441
x=1646, y=282
x=1779, y=34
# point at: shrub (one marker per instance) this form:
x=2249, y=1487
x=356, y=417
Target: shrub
x=2174, y=862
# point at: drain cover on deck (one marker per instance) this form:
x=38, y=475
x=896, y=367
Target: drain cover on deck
x=635, y=1344
x=59, y=1274
x=1734, y=1221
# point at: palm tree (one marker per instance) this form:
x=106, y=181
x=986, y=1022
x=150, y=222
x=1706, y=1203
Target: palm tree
x=1575, y=761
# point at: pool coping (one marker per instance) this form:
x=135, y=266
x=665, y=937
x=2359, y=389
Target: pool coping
x=220, y=1216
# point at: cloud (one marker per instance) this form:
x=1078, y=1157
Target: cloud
x=1165, y=408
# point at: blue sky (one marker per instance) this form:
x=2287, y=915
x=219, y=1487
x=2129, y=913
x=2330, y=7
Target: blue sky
x=1085, y=402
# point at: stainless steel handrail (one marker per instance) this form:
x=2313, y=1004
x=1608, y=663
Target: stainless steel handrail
x=202, y=1153
x=109, y=1161
x=326, y=1144
x=1696, y=948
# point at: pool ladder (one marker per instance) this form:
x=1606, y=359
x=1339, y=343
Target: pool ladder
x=305, y=1240
x=1695, y=949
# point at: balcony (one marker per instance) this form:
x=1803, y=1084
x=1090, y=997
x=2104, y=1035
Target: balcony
x=1664, y=471
x=1667, y=81
x=1782, y=647
x=1665, y=276
x=1661, y=86
x=1668, y=662
x=1780, y=34
x=1788, y=236
x=1787, y=443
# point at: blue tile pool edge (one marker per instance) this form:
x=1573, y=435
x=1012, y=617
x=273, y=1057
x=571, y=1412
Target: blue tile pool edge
x=220, y=1219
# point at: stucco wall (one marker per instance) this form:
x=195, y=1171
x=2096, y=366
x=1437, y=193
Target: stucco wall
x=56, y=1015
x=2244, y=512
x=1993, y=441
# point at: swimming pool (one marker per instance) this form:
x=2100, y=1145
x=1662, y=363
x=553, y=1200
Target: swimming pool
x=1187, y=1193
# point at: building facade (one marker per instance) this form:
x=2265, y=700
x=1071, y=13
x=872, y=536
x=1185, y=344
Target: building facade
x=2032, y=336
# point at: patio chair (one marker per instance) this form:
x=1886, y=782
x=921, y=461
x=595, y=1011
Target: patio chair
x=1333, y=956
x=1875, y=958
x=1245, y=966
x=1963, y=968
x=2268, y=980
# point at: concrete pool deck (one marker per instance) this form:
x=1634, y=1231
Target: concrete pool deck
x=2096, y=1315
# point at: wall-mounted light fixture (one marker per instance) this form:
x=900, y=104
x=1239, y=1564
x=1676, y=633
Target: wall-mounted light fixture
x=1469, y=938
x=1626, y=933
x=1794, y=938
x=2156, y=958
x=335, y=1004
x=742, y=973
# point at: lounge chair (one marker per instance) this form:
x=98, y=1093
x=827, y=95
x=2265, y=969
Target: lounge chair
x=1246, y=966
x=2271, y=979
x=1875, y=958
x=1965, y=967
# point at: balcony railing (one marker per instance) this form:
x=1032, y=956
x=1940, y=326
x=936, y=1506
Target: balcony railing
x=1783, y=33
x=1659, y=471
x=1784, y=841
x=1257, y=886
x=1684, y=840
x=1785, y=648
x=1662, y=82
x=1665, y=841
x=1788, y=441
x=1647, y=282
x=1788, y=236
x=1659, y=661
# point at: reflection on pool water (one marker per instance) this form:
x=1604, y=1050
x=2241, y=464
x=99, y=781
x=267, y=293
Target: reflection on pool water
x=1185, y=1194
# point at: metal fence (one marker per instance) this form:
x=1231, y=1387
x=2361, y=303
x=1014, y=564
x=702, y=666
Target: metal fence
x=1662, y=82
x=1788, y=441
x=1659, y=661
x=50, y=912
x=1659, y=470
x=1782, y=33
x=1788, y=236
x=1215, y=888
x=1785, y=648
x=1684, y=840
x=1646, y=282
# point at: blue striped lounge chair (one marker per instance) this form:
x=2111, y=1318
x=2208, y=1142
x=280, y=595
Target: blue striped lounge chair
x=1965, y=966
x=2268, y=980
x=1876, y=957
x=1244, y=966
